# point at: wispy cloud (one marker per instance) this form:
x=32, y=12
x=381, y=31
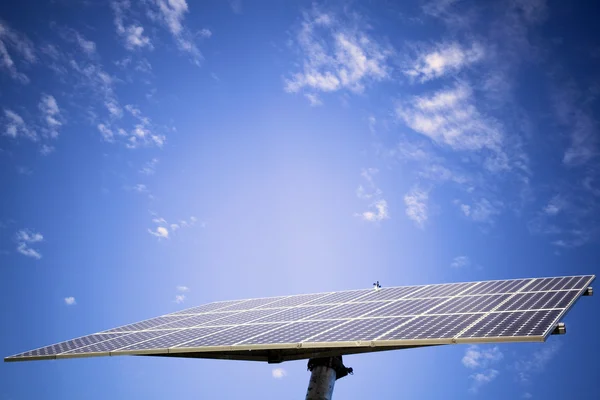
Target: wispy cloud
x=278, y=373
x=482, y=378
x=70, y=301
x=15, y=126
x=481, y=210
x=416, y=206
x=87, y=46
x=478, y=357
x=182, y=289
x=25, y=238
x=17, y=44
x=51, y=114
x=336, y=55
x=443, y=59
x=449, y=117
x=378, y=209
x=149, y=167
x=236, y=6
x=132, y=34
x=460, y=262
x=160, y=232
x=179, y=298
x=482, y=359
x=313, y=99
x=526, y=368
x=172, y=13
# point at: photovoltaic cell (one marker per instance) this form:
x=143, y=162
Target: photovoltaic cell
x=492, y=311
x=340, y=297
x=431, y=327
x=518, y=323
x=294, y=332
x=294, y=314
x=208, y=307
x=172, y=339
x=352, y=310
x=538, y=301
x=360, y=329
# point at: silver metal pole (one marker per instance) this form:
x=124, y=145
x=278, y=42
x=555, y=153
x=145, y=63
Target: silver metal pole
x=322, y=381
x=324, y=373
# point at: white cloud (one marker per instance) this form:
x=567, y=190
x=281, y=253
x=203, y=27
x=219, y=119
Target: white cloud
x=183, y=289
x=135, y=39
x=46, y=149
x=179, y=298
x=449, y=117
x=460, y=262
x=445, y=58
x=17, y=43
x=134, y=33
x=527, y=367
x=476, y=357
x=107, y=133
x=150, y=167
x=113, y=108
x=482, y=378
x=336, y=56
x=313, y=99
x=70, y=301
x=14, y=126
x=205, y=33
x=140, y=188
x=51, y=114
x=161, y=232
x=172, y=14
x=482, y=210
x=527, y=395
x=378, y=212
x=278, y=373
x=236, y=6
x=25, y=238
x=416, y=206
x=555, y=205
x=87, y=46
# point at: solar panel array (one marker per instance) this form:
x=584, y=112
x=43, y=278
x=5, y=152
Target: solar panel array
x=490, y=311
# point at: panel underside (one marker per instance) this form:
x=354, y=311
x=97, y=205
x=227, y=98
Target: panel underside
x=349, y=322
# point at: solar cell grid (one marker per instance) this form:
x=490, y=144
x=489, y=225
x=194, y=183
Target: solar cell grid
x=468, y=304
x=443, y=290
x=401, y=308
x=147, y=324
x=518, y=323
x=172, y=339
x=535, y=301
x=194, y=320
x=294, y=332
x=393, y=293
x=340, y=297
x=359, y=329
x=118, y=342
x=352, y=310
x=210, y=307
x=250, y=304
x=242, y=317
x=294, y=300
x=493, y=287
x=294, y=314
x=426, y=327
x=233, y=335
x=69, y=345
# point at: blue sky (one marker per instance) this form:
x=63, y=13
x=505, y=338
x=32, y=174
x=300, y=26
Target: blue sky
x=157, y=155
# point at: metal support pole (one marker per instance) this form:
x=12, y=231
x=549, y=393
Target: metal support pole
x=324, y=373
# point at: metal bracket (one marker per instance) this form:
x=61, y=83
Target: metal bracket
x=589, y=291
x=334, y=363
x=560, y=329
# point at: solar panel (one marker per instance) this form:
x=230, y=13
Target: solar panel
x=346, y=322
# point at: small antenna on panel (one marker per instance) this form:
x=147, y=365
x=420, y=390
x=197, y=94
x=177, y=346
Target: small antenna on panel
x=376, y=285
